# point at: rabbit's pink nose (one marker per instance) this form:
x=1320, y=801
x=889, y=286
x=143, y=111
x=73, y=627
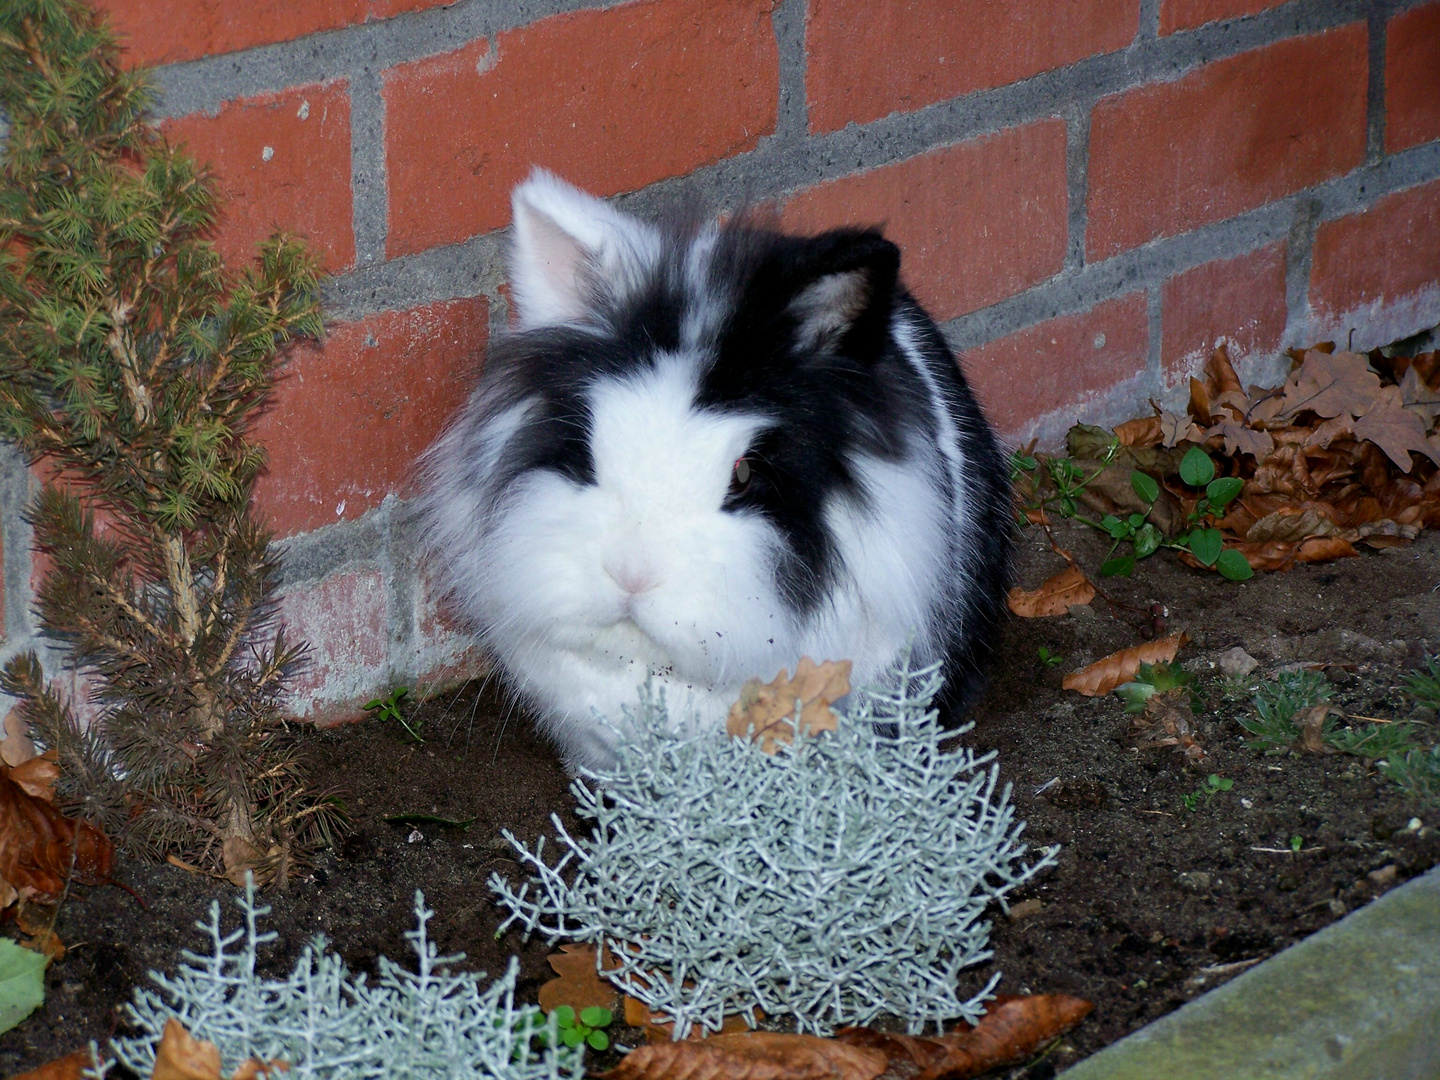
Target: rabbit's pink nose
x=633, y=577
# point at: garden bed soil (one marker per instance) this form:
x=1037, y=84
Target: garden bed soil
x=1151, y=903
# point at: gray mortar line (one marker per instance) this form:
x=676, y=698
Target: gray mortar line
x=1149, y=28
x=472, y=268
x=369, y=207
x=1375, y=90
x=1299, y=248
x=1077, y=177
x=1155, y=315
x=315, y=555
x=788, y=20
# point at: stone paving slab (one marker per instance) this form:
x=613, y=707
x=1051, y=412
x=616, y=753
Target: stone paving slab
x=1360, y=1000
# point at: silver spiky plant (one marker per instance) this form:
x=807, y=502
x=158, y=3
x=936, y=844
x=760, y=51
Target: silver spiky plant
x=842, y=877
x=328, y=1025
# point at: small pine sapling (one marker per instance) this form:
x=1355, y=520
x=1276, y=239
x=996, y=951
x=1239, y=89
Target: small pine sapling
x=132, y=364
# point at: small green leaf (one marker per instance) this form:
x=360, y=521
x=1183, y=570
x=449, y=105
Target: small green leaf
x=1206, y=545
x=596, y=1016
x=1145, y=486
x=571, y=1037
x=1233, y=565
x=1114, y=526
x=1123, y=565
x=1196, y=468
x=1136, y=520
x=564, y=1016
x=1222, y=491
x=22, y=983
x=598, y=1040
x=1135, y=695
x=1147, y=541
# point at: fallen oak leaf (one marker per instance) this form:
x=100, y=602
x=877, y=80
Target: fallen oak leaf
x=1175, y=429
x=253, y=1068
x=761, y=1055
x=1240, y=438
x=1110, y=671
x=1011, y=1030
x=38, y=776
x=765, y=712
x=578, y=982
x=41, y=848
x=1293, y=525
x=69, y=1067
x=181, y=1056
x=1328, y=384
x=1144, y=431
x=1055, y=596
x=1397, y=431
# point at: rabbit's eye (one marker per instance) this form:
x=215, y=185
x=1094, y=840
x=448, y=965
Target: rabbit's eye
x=740, y=476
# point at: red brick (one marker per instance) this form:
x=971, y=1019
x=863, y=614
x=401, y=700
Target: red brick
x=164, y=31
x=1227, y=138
x=1188, y=14
x=867, y=59
x=345, y=619
x=1240, y=299
x=350, y=418
x=281, y=160
x=1380, y=266
x=1412, y=78
x=1058, y=363
x=977, y=222
x=611, y=100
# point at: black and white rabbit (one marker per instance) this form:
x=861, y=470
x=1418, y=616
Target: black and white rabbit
x=704, y=453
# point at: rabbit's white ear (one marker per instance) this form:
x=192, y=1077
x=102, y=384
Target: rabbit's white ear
x=570, y=251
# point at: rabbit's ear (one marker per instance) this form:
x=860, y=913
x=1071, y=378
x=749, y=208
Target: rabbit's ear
x=571, y=254
x=844, y=284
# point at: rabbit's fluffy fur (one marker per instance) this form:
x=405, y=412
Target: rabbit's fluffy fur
x=704, y=453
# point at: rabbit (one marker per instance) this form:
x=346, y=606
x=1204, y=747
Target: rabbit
x=703, y=452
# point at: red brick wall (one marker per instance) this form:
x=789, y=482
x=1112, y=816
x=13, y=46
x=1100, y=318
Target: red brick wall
x=1089, y=194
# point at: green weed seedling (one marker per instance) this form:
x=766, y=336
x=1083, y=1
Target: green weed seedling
x=1374, y=741
x=1152, y=679
x=388, y=708
x=1047, y=658
x=1296, y=843
x=1417, y=773
x=1424, y=684
x=1214, y=785
x=584, y=1027
x=1276, y=702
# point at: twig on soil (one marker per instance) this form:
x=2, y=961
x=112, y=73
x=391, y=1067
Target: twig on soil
x=1286, y=850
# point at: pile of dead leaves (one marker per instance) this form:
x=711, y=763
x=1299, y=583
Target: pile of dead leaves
x=41, y=850
x=1344, y=452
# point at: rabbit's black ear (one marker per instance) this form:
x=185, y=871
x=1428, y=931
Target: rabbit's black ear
x=570, y=252
x=842, y=286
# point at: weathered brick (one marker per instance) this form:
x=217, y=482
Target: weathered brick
x=1379, y=271
x=1037, y=370
x=281, y=160
x=1227, y=138
x=164, y=31
x=345, y=618
x=611, y=100
x=350, y=418
x=1412, y=78
x=867, y=59
x=1240, y=299
x=977, y=222
x=1188, y=14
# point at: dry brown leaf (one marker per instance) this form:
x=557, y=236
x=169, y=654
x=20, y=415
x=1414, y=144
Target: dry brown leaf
x=578, y=983
x=1220, y=374
x=181, y=1056
x=765, y=712
x=1054, y=597
x=17, y=747
x=1242, y=439
x=1328, y=384
x=1311, y=722
x=638, y=1015
x=1010, y=1031
x=1418, y=397
x=40, y=847
x=1397, y=431
x=1143, y=431
x=1168, y=721
x=38, y=776
x=1109, y=672
x=1293, y=525
x=240, y=855
x=760, y=1055
x=69, y=1067
x=1177, y=429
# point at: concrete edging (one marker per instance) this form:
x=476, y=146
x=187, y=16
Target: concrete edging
x=1359, y=1000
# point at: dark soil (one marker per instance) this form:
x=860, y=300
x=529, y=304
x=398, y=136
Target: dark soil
x=1150, y=905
